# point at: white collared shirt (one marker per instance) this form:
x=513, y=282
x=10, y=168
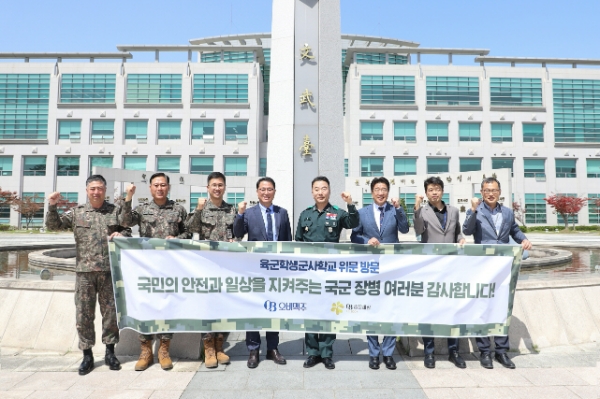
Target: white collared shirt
x=263, y=211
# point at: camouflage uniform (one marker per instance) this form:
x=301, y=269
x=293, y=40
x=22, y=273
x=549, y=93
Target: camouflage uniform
x=213, y=223
x=91, y=228
x=156, y=221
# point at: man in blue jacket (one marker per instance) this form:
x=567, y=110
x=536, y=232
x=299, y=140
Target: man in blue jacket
x=492, y=223
x=263, y=222
x=380, y=223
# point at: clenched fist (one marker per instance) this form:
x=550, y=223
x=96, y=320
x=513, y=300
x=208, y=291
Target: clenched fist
x=242, y=207
x=201, y=203
x=418, y=201
x=395, y=202
x=347, y=197
x=474, y=203
x=130, y=191
x=53, y=198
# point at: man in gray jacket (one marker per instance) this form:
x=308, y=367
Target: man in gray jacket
x=437, y=222
x=492, y=223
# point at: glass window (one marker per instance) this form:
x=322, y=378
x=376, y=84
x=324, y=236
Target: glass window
x=194, y=199
x=103, y=131
x=594, y=209
x=398, y=90
x=437, y=165
x=4, y=214
x=533, y=132
x=24, y=106
x=203, y=128
x=367, y=199
x=69, y=130
x=503, y=163
x=371, y=130
x=234, y=198
x=501, y=132
x=201, y=165
x=262, y=167
x=266, y=75
x=409, y=200
x=169, y=130
x=405, y=166
x=370, y=166
x=168, y=164
x=516, y=92
x=469, y=131
x=153, y=88
x=134, y=163
x=228, y=56
x=6, y=166
x=470, y=164
x=566, y=168
x=72, y=198
x=437, y=131
x=370, y=58
x=452, y=90
x=405, y=131
x=236, y=130
x=100, y=162
x=136, y=130
x=236, y=166
x=534, y=167
x=346, y=167
x=67, y=166
x=593, y=168
x=576, y=110
x=536, y=208
x=87, y=88
x=38, y=216
x=34, y=166
x=221, y=88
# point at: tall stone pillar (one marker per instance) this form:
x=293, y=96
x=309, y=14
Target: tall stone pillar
x=305, y=113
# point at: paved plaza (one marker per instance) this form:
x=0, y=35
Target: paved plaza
x=565, y=372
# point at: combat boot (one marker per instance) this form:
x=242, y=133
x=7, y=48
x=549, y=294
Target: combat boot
x=210, y=358
x=87, y=364
x=110, y=359
x=163, y=355
x=221, y=356
x=146, y=357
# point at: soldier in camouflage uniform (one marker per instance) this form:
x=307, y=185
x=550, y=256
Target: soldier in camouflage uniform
x=323, y=222
x=93, y=224
x=161, y=218
x=213, y=220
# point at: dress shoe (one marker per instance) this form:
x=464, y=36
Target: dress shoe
x=110, y=359
x=458, y=361
x=328, y=362
x=429, y=361
x=275, y=356
x=390, y=364
x=504, y=360
x=87, y=364
x=486, y=360
x=253, y=359
x=311, y=361
x=374, y=362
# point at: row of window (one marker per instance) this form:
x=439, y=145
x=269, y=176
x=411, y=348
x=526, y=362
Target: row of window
x=103, y=131
x=576, y=102
x=71, y=165
x=439, y=131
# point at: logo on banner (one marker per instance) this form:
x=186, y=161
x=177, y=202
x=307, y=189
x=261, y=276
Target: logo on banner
x=356, y=308
x=271, y=306
x=337, y=307
x=274, y=306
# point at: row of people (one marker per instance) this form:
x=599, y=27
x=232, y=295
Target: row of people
x=216, y=220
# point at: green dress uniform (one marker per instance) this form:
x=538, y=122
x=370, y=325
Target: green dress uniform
x=324, y=226
x=156, y=221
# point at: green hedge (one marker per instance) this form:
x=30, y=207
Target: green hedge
x=559, y=228
x=4, y=227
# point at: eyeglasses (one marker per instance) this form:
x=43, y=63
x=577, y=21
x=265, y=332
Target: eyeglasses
x=266, y=190
x=380, y=190
x=493, y=191
x=216, y=186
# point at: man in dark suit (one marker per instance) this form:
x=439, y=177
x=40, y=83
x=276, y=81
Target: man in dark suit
x=492, y=223
x=437, y=222
x=263, y=222
x=380, y=223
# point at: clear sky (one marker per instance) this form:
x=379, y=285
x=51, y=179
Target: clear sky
x=534, y=28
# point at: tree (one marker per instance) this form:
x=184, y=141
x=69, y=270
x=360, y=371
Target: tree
x=519, y=212
x=7, y=198
x=64, y=204
x=28, y=207
x=566, y=206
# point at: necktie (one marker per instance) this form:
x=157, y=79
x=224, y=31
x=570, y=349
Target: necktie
x=269, y=225
x=380, y=218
